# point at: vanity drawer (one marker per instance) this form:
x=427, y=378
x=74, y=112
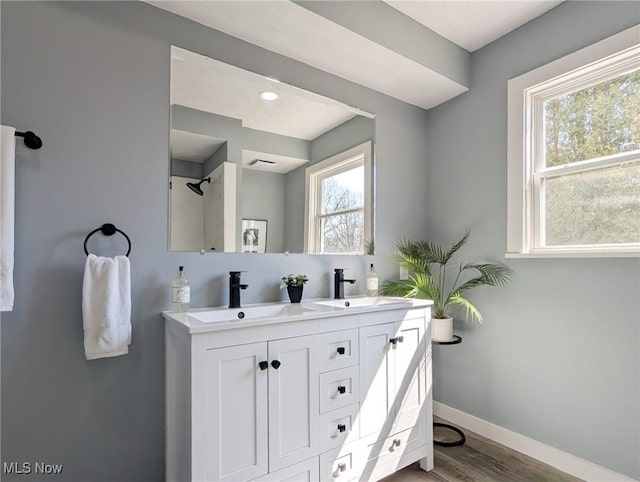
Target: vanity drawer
x=338, y=349
x=339, y=388
x=388, y=316
x=395, y=446
x=339, y=427
x=342, y=464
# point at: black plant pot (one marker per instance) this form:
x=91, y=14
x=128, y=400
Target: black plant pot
x=295, y=293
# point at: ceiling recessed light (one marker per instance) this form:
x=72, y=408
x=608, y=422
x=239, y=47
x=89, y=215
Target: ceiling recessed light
x=268, y=95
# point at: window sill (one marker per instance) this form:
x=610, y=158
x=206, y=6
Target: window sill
x=575, y=254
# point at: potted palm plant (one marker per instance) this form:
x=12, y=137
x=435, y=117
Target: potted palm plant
x=433, y=276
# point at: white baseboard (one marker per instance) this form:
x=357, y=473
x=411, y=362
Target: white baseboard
x=563, y=461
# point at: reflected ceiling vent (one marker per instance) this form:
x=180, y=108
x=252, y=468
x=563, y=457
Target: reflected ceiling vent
x=261, y=161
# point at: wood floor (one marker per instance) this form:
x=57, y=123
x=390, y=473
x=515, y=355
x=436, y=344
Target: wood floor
x=479, y=460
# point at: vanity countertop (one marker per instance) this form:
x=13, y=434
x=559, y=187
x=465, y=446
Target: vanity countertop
x=204, y=320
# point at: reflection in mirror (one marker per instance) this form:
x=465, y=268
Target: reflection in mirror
x=264, y=167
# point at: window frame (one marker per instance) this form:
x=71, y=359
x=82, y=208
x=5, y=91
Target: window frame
x=527, y=93
x=359, y=155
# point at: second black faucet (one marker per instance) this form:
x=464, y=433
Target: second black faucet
x=234, y=288
x=338, y=283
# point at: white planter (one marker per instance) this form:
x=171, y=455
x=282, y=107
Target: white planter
x=442, y=329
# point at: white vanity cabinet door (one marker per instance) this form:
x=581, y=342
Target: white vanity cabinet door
x=305, y=471
x=376, y=378
x=235, y=414
x=293, y=401
x=410, y=374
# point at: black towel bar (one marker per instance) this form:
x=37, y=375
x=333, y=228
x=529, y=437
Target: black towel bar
x=107, y=229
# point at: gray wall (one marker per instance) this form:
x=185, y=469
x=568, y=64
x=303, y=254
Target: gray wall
x=183, y=168
x=263, y=198
x=558, y=357
x=92, y=79
x=345, y=136
x=217, y=158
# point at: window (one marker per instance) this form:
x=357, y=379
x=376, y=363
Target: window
x=339, y=203
x=574, y=153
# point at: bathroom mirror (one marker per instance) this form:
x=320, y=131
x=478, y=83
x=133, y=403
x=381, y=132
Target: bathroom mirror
x=260, y=166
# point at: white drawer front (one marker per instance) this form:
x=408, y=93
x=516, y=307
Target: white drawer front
x=342, y=464
x=339, y=388
x=395, y=446
x=339, y=427
x=338, y=349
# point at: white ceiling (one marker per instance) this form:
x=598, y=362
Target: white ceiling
x=472, y=24
x=281, y=164
x=291, y=30
x=188, y=146
x=208, y=85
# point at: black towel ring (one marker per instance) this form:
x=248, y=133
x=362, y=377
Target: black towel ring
x=107, y=229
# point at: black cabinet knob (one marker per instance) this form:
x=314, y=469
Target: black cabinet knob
x=342, y=427
x=276, y=364
x=393, y=340
x=263, y=365
x=342, y=389
x=341, y=350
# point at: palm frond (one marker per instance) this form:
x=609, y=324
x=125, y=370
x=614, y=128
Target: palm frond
x=423, y=251
x=396, y=288
x=449, y=254
x=424, y=286
x=409, y=253
x=462, y=304
x=431, y=252
x=490, y=274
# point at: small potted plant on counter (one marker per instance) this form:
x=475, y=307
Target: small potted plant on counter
x=295, y=284
x=428, y=266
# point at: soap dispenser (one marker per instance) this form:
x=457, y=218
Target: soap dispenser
x=180, y=292
x=372, y=281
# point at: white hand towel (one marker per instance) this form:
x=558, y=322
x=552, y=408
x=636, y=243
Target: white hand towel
x=7, y=214
x=106, y=306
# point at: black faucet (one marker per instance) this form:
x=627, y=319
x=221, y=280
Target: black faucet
x=234, y=289
x=338, y=283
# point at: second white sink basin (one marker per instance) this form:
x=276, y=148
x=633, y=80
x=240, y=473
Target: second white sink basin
x=249, y=313
x=363, y=302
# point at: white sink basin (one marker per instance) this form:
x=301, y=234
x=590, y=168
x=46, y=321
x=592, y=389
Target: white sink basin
x=363, y=302
x=249, y=313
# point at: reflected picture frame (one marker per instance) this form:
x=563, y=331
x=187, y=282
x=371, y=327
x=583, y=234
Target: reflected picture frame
x=254, y=235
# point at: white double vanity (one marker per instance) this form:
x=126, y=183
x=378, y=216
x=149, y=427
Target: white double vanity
x=299, y=392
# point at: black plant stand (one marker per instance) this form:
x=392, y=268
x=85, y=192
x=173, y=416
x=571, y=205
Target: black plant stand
x=456, y=339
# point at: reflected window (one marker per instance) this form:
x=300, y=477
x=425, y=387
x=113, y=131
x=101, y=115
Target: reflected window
x=338, y=215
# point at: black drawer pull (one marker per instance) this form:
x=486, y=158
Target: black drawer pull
x=341, y=350
x=396, y=442
x=342, y=389
x=276, y=364
x=263, y=365
x=396, y=340
x=342, y=467
x=342, y=427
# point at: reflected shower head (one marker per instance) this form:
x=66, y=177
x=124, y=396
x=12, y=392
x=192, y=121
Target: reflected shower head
x=195, y=186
